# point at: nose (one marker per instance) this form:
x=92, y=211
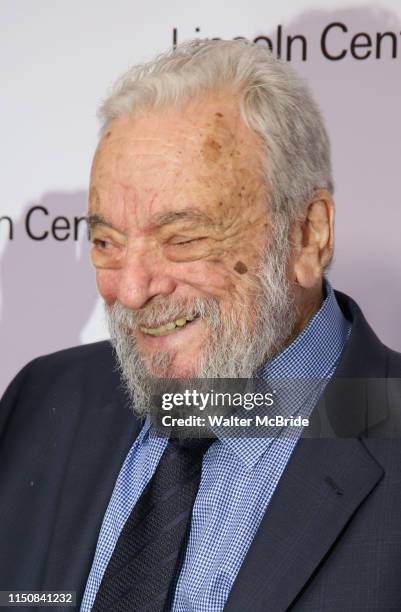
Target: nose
x=142, y=276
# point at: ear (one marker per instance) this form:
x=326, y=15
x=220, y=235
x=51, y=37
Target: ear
x=313, y=240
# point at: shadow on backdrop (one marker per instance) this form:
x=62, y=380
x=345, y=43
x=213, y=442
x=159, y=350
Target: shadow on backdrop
x=48, y=286
x=360, y=100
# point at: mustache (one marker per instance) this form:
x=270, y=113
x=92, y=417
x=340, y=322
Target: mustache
x=162, y=310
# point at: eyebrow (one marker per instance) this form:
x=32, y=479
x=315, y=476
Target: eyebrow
x=93, y=220
x=184, y=215
x=159, y=220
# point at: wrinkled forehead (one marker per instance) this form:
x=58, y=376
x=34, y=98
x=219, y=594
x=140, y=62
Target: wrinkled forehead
x=193, y=155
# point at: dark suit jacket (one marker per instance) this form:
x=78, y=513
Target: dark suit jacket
x=331, y=536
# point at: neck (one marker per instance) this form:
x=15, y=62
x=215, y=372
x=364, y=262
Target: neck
x=310, y=303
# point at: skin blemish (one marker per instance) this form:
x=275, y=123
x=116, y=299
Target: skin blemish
x=211, y=150
x=219, y=115
x=108, y=134
x=240, y=267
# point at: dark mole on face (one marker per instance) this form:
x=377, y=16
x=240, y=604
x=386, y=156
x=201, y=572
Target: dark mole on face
x=240, y=267
x=108, y=134
x=219, y=115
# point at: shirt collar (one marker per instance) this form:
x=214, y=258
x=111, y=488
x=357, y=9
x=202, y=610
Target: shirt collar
x=313, y=353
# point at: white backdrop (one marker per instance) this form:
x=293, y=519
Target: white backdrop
x=58, y=60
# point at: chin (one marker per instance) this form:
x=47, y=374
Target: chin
x=171, y=366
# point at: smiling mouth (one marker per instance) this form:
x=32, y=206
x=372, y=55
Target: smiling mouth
x=168, y=328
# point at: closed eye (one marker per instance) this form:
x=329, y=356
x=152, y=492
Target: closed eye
x=189, y=241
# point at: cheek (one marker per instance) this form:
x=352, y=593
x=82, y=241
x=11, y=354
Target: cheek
x=232, y=289
x=211, y=277
x=107, y=283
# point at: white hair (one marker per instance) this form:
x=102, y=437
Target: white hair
x=274, y=102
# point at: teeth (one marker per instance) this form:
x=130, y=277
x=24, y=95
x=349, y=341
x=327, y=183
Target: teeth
x=163, y=330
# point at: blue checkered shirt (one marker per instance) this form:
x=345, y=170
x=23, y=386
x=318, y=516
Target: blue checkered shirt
x=239, y=477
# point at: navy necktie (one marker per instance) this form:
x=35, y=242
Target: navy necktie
x=143, y=568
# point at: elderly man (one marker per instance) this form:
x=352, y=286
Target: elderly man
x=211, y=218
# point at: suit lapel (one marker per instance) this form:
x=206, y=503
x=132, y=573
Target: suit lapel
x=324, y=484
x=103, y=438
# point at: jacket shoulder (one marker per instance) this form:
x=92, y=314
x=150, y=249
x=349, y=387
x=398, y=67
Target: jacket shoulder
x=394, y=363
x=74, y=377
x=89, y=366
x=87, y=355
x=365, y=356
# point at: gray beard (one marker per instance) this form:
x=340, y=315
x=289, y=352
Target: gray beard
x=237, y=346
